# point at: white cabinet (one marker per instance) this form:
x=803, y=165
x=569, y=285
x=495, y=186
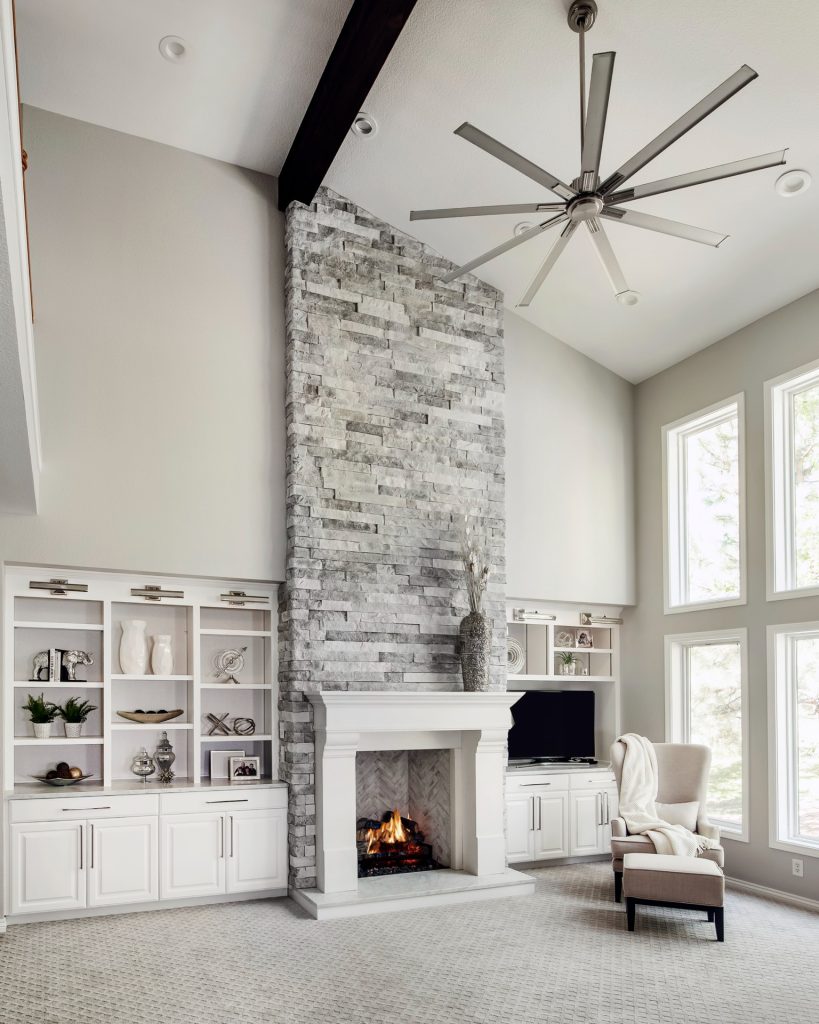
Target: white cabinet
x=193, y=855
x=229, y=852
x=48, y=867
x=591, y=813
x=553, y=815
x=537, y=820
x=123, y=856
x=256, y=842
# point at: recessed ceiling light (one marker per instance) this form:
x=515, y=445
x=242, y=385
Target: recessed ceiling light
x=628, y=298
x=524, y=225
x=364, y=124
x=173, y=48
x=792, y=183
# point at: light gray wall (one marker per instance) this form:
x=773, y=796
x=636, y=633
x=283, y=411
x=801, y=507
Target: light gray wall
x=160, y=339
x=742, y=362
x=569, y=473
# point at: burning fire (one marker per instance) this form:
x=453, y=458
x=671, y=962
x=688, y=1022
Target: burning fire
x=390, y=831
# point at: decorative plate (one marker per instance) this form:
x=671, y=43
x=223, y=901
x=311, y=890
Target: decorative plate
x=515, y=655
x=150, y=717
x=62, y=782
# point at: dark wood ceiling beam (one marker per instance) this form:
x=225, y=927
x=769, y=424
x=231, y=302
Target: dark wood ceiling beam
x=363, y=45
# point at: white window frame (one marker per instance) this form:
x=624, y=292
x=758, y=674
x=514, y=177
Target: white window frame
x=677, y=701
x=781, y=568
x=675, y=562
x=782, y=752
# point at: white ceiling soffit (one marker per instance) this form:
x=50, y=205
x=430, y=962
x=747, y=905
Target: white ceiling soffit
x=238, y=95
x=510, y=67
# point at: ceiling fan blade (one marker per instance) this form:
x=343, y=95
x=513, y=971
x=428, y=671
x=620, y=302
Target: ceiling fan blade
x=602, y=70
x=503, y=247
x=512, y=159
x=485, y=211
x=664, y=226
x=554, y=253
x=683, y=124
x=607, y=257
x=653, y=188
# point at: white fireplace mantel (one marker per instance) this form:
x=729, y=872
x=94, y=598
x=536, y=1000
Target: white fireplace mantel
x=473, y=726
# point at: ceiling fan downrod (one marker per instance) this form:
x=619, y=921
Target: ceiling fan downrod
x=581, y=17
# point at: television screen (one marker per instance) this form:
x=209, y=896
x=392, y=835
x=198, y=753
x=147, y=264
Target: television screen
x=555, y=724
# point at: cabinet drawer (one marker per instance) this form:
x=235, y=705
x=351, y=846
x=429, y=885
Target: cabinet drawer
x=73, y=807
x=531, y=783
x=591, y=780
x=240, y=798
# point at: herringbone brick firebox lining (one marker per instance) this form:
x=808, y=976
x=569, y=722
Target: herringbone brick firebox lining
x=395, y=387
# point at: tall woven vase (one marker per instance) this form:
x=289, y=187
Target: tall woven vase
x=476, y=648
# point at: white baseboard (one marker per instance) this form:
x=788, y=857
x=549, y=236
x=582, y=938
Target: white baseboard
x=2, y=926
x=773, y=894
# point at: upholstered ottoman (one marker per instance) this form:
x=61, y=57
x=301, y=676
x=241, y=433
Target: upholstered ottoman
x=691, y=883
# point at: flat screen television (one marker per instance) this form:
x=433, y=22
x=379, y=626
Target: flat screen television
x=552, y=725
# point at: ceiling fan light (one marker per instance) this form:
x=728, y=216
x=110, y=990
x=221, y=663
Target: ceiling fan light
x=628, y=297
x=792, y=183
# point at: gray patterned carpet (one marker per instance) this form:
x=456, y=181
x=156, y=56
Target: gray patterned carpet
x=559, y=957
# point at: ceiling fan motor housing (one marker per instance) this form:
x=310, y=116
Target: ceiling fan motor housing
x=582, y=14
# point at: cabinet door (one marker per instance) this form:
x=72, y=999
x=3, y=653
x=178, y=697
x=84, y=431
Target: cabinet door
x=611, y=809
x=586, y=812
x=192, y=855
x=519, y=827
x=256, y=844
x=47, y=866
x=551, y=835
x=123, y=861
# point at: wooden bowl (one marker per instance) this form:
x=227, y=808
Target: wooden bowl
x=144, y=718
x=61, y=782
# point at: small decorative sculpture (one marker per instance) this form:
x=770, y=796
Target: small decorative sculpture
x=218, y=726
x=229, y=663
x=68, y=665
x=73, y=658
x=244, y=726
x=164, y=758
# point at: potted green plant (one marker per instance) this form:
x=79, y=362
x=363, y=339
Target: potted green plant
x=74, y=713
x=42, y=713
x=569, y=662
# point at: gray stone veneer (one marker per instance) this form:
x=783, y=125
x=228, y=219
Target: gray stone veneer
x=394, y=431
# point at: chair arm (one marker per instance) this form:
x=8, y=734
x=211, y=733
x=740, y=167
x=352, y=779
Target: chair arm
x=705, y=828
x=618, y=828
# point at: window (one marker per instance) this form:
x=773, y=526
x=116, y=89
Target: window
x=792, y=422
x=705, y=508
x=793, y=678
x=706, y=702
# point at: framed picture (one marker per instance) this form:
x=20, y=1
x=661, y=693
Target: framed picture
x=219, y=762
x=584, y=638
x=245, y=769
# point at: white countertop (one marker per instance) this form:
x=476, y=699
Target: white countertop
x=128, y=787
x=559, y=768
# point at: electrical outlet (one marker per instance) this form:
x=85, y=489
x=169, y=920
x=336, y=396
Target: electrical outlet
x=798, y=867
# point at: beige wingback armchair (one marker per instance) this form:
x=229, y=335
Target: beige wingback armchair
x=682, y=792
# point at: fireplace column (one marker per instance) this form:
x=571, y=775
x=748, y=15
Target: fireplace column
x=337, y=856
x=484, y=767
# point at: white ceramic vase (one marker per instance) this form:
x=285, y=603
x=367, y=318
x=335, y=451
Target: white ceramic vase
x=162, y=655
x=42, y=730
x=133, y=648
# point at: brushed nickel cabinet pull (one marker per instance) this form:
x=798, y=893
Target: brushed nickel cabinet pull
x=73, y=810
x=91, y=841
x=237, y=801
x=221, y=838
x=81, y=844
x=231, y=834
x=540, y=814
x=525, y=785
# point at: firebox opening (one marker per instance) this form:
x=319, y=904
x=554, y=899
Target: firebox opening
x=392, y=845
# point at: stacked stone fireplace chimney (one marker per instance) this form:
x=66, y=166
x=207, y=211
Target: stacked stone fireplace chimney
x=395, y=432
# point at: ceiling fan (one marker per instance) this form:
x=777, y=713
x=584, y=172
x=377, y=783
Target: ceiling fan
x=588, y=200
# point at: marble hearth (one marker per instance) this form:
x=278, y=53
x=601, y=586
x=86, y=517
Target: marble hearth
x=473, y=728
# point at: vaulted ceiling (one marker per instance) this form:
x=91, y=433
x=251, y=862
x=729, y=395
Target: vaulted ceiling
x=510, y=67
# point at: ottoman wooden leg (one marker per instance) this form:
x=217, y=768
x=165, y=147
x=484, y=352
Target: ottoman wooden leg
x=630, y=913
x=618, y=886
x=719, y=921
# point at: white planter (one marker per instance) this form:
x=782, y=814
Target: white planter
x=162, y=655
x=42, y=730
x=73, y=729
x=133, y=648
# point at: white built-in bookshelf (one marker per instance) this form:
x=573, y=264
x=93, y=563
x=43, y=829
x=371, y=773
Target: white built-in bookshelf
x=545, y=634
x=205, y=617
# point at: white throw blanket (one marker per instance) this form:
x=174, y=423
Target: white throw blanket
x=638, y=796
